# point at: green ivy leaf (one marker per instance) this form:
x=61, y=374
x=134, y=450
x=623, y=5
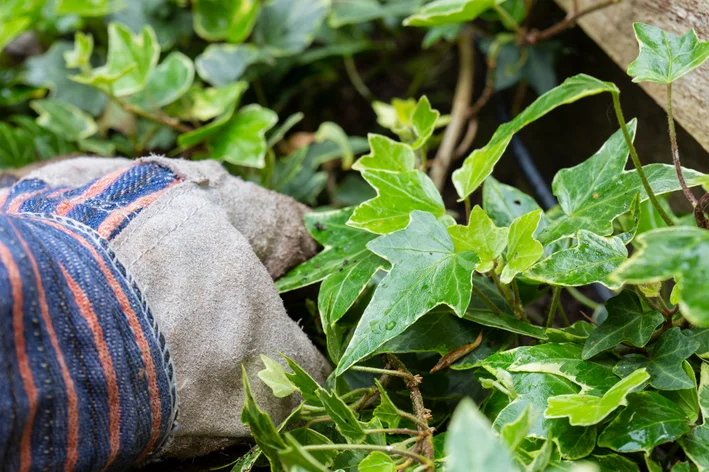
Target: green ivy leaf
x=12, y=28
x=648, y=420
x=80, y=56
x=64, y=119
x=274, y=375
x=426, y=272
x=587, y=410
x=665, y=57
x=242, y=140
x=305, y=384
x=592, y=259
x=576, y=333
x=131, y=61
x=398, y=194
x=222, y=64
x=295, y=458
x=386, y=411
x=444, y=12
x=680, y=252
x=703, y=391
x=309, y=437
x=687, y=398
x=347, y=12
x=480, y=236
x=593, y=203
x=522, y=249
x=471, y=443
x=613, y=463
x=514, y=432
x=696, y=446
x=506, y=323
x=344, y=418
x=377, y=462
x=386, y=155
x=627, y=321
x=345, y=265
x=262, y=428
x=665, y=361
x=90, y=8
x=170, y=80
x=329, y=131
x=423, y=122
x=228, y=20
x=413, y=121
x=285, y=27
x=503, y=203
x=480, y=163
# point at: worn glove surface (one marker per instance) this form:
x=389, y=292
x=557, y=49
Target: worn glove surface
x=93, y=274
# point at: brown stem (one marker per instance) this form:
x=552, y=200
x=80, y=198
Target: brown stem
x=569, y=22
x=158, y=118
x=456, y=354
x=699, y=216
x=675, y=150
x=461, y=101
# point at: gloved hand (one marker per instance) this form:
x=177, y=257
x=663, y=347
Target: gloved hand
x=107, y=284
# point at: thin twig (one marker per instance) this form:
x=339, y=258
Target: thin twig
x=699, y=216
x=158, y=118
x=569, y=22
x=356, y=79
x=636, y=160
x=556, y=295
x=397, y=373
x=581, y=298
x=461, y=101
x=490, y=304
x=675, y=150
x=368, y=447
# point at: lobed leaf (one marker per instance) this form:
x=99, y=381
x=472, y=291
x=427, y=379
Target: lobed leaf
x=343, y=417
x=274, y=375
x=170, y=80
x=386, y=155
x=285, y=27
x=503, y=203
x=242, y=140
x=64, y=119
x=522, y=249
x=444, y=12
x=480, y=236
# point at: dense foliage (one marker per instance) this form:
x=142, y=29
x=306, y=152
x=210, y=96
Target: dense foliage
x=451, y=348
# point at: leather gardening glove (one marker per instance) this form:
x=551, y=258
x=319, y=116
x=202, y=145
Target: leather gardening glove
x=131, y=292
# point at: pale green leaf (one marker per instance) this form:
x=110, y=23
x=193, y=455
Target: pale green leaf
x=444, y=12
x=398, y=194
x=170, y=80
x=627, y=321
x=681, y=252
x=522, y=249
x=386, y=155
x=514, y=432
x=480, y=236
x=480, y=163
x=64, y=119
x=665, y=57
x=503, y=203
x=592, y=259
x=664, y=363
x=274, y=375
x=89, y=8
x=229, y=20
x=221, y=64
x=305, y=384
x=542, y=457
x=80, y=56
x=648, y=420
x=471, y=443
x=423, y=121
x=377, y=462
x=12, y=28
x=587, y=410
x=426, y=272
x=329, y=131
x=204, y=104
x=242, y=140
x=344, y=418
x=285, y=27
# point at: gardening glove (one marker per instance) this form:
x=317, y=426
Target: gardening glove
x=131, y=292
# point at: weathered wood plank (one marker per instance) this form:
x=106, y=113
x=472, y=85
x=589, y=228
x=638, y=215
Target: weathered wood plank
x=612, y=29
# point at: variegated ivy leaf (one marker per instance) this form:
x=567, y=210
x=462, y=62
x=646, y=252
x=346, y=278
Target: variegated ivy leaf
x=80, y=56
x=703, y=391
x=665, y=57
x=131, y=60
x=480, y=163
x=426, y=272
x=242, y=140
x=696, y=446
x=274, y=375
x=386, y=155
x=444, y=12
x=592, y=259
x=627, y=321
x=228, y=20
x=414, y=122
x=680, y=252
x=503, y=203
x=522, y=249
x=664, y=363
x=345, y=265
x=587, y=410
x=285, y=27
x=64, y=119
x=170, y=80
x=222, y=64
x=595, y=192
x=480, y=236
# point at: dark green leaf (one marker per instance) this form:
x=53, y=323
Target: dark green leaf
x=309, y=437
x=386, y=411
x=696, y=446
x=221, y=64
x=285, y=27
x=344, y=418
x=307, y=386
x=576, y=333
x=295, y=458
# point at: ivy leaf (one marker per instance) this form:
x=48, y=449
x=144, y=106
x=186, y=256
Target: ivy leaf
x=344, y=418
x=80, y=56
x=627, y=321
x=262, y=428
x=285, y=27
x=64, y=119
x=398, y=194
x=444, y=12
x=309, y=437
x=426, y=272
x=587, y=410
x=242, y=140
x=595, y=192
x=522, y=249
x=295, y=458
x=613, y=463
x=680, y=252
x=170, y=80
x=479, y=164
x=413, y=121
x=665, y=361
x=687, y=398
x=228, y=20
x=665, y=57
x=423, y=121
x=274, y=375
x=386, y=155
x=347, y=12
x=329, y=131
x=503, y=203
x=648, y=420
x=305, y=384
x=377, y=462
x=480, y=236
x=703, y=391
x=91, y=8
x=507, y=323
x=471, y=443
x=576, y=333
x=345, y=265
x=514, y=432
x=222, y=64
x=696, y=446
x=131, y=61
x=592, y=259
x=386, y=411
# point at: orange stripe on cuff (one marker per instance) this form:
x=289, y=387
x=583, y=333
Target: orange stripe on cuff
x=119, y=215
x=96, y=188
